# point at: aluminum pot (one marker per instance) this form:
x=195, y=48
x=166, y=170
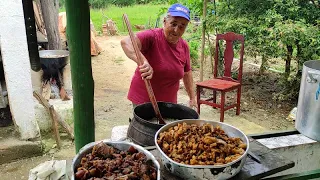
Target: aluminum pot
x=308, y=114
x=205, y=172
x=121, y=145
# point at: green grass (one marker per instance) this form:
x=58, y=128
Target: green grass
x=138, y=15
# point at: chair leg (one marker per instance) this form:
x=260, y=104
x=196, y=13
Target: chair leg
x=222, y=106
x=214, y=94
x=238, y=101
x=214, y=98
x=198, y=99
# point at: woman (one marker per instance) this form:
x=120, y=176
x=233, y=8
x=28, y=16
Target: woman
x=166, y=59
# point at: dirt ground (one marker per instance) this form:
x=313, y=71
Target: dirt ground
x=112, y=72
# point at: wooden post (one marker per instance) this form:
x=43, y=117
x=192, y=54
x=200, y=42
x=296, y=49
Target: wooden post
x=203, y=39
x=50, y=13
x=78, y=34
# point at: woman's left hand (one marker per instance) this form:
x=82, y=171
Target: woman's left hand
x=193, y=103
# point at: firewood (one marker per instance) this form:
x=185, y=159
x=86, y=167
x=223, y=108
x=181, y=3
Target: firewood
x=54, y=113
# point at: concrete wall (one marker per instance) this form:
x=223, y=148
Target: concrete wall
x=17, y=69
x=305, y=157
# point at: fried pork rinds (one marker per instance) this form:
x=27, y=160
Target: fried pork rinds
x=200, y=145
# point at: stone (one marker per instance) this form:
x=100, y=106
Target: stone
x=63, y=108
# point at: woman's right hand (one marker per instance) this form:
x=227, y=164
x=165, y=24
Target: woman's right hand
x=146, y=70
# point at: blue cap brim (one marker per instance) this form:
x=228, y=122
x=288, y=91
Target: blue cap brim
x=179, y=14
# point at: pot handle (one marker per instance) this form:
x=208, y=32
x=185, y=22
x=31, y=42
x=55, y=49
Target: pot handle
x=311, y=78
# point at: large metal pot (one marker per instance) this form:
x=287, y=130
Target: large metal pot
x=121, y=145
x=141, y=131
x=204, y=172
x=53, y=60
x=308, y=111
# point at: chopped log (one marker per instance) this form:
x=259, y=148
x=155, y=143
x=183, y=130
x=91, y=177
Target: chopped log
x=46, y=104
x=111, y=27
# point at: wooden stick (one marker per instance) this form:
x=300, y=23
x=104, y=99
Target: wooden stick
x=140, y=62
x=55, y=126
x=54, y=113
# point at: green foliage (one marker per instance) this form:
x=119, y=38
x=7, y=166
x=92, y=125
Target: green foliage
x=270, y=27
x=124, y=3
x=195, y=6
x=194, y=52
x=143, y=1
x=158, y=2
x=98, y=4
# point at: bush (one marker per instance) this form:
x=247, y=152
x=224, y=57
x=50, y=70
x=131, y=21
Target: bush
x=143, y=1
x=194, y=53
x=123, y=3
x=98, y=4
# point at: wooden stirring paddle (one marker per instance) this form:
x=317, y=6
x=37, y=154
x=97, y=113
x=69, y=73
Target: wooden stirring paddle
x=140, y=62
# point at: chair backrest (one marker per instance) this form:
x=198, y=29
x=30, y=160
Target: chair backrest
x=229, y=39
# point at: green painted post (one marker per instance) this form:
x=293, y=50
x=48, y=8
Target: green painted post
x=78, y=35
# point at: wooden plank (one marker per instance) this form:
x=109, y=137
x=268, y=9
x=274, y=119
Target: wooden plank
x=38, y=17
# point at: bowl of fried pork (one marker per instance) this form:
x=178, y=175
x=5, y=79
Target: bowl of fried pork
x=202, y=149
x=107, y=160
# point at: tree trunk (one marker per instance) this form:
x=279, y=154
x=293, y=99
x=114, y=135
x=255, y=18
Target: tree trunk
x=211, y=49
x=299, y=61
x=50, y=13
x=203, y=39
x=264, y=64
x=288, y=61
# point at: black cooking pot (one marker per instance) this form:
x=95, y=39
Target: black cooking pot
x=53, y=59
x=141, y=131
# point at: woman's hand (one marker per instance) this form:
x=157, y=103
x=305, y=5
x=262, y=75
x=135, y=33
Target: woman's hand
x=146, y=70
x=193, y=103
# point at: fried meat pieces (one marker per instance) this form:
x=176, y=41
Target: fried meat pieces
x=108, y=163
x=200, y=145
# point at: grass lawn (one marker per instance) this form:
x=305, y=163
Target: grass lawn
x=138, y=15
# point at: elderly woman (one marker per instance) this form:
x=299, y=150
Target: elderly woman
x=166, y=59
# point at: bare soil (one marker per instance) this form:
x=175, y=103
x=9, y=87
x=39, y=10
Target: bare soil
x=112, y=72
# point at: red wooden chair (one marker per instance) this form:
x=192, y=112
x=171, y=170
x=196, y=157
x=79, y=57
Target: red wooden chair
x=224, y=83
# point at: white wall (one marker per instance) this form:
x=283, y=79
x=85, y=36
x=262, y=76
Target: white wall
x=17, y=69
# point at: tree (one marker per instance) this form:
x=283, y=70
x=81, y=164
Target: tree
x=273, y=28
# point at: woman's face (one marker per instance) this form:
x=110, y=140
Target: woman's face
x=174, y=28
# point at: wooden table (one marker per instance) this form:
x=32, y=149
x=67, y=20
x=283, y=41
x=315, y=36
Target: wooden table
x=271, y=163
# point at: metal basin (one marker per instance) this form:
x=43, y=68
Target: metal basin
x=206, y=172
x=123, y=146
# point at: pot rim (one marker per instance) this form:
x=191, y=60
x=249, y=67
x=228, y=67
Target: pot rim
x=158, y=102
x=60, y=53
